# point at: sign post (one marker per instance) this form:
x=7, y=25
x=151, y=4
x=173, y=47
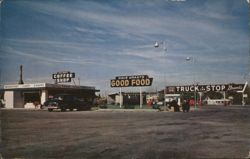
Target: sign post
x=120, y=97
x=140, y=98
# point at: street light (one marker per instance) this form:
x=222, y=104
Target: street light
x=192, y=59
x=157, y=45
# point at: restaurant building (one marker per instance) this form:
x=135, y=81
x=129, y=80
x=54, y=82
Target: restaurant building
x=33, y=95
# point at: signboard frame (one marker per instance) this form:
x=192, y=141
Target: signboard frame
x=131, y=81
x=205, y=88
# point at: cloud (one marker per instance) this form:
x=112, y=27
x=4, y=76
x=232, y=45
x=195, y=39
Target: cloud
x=141, y=26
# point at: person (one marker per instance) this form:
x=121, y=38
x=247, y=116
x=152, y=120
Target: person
x=186, y=106
x=176, y=106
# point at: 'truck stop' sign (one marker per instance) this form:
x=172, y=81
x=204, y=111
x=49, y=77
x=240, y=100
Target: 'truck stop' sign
x=131, y=81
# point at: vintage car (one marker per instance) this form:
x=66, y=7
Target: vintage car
x=65, y=101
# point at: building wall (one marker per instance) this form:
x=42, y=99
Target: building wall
x=117, y=100
x=110, y=100
x=9, y=99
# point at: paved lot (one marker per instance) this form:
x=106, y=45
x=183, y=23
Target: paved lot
x=210, y=132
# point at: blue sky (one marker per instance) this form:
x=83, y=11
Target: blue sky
x=99, y=40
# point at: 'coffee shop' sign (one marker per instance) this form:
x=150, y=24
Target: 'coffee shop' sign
x=62, y=77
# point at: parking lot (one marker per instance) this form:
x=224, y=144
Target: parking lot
x=209, y=132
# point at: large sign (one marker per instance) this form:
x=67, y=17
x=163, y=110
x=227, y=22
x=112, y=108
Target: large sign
x=62, y=77
x=131, y=81
x=205, y=88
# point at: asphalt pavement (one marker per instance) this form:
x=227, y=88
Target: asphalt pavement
x=207, y=132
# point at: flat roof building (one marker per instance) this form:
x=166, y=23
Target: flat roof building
x=33, y=95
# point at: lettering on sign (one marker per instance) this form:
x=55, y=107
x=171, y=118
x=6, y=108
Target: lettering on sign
x=235, y=87
x=205, y=88
x=131, y=81
x=62, y=77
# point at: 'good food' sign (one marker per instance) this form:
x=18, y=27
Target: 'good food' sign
x=131, y=81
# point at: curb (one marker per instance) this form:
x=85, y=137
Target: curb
x=127, y=110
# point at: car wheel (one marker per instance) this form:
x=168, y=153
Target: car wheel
x=79, y=109
x=50, y=110
x=63, y=109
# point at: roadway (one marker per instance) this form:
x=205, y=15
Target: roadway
x=208, y=132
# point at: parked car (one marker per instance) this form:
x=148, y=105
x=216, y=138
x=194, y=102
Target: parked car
x=65, y=101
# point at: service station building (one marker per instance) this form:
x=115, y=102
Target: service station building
x=33, y=95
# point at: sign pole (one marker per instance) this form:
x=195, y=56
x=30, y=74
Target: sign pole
x=140, y=98
x=120, y=97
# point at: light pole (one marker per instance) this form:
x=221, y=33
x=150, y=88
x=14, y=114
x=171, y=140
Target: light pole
x=192, y=59
x=157, y=45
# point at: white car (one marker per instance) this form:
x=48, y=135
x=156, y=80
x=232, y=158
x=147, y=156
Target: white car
x=160, y=103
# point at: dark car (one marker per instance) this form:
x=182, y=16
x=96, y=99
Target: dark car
x=64, y=102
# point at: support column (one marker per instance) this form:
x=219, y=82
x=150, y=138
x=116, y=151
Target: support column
x=44, y=96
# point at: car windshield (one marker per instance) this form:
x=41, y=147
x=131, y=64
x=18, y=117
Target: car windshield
x=49, y=101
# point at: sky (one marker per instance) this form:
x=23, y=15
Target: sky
x=99, y=40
